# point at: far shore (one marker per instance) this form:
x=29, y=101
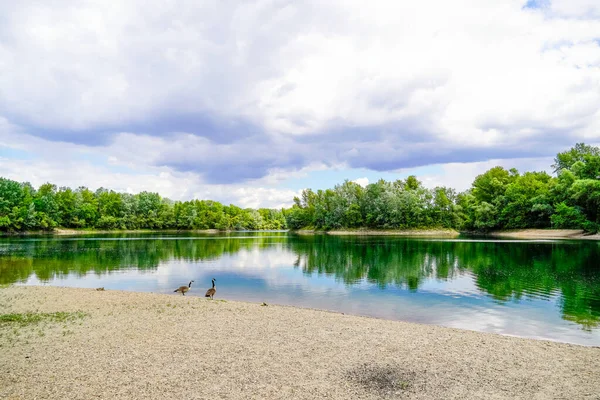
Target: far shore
x=68, y=232
x=63, y=231
x=60, y=343
x=381, y=232
x=373, y=232
x=575, y=234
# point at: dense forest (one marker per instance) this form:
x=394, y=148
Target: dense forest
x=497, y=199
x=22, y=208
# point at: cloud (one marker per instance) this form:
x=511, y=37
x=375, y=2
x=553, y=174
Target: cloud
x=361, y=181
x=170, y=184
x=460, y=175
x=121, y=167
x=235, y=93
x=587, y=9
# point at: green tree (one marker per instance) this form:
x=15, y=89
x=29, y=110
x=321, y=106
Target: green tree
x=490, y=186
x=526, y=202
x=581, y=152
x=565, y=217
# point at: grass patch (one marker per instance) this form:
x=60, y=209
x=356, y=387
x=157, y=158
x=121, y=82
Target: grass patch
x=34, y=318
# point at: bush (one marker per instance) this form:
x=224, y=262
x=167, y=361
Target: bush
x=108, y=222
x=566, y=217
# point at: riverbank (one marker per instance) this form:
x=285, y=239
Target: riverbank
x=381, y=232
x=88, y=232
x=125, y=345
x=575, y=234
x=75, y=232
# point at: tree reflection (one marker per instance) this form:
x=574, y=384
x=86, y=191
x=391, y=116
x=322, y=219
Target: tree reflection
x=505, y=271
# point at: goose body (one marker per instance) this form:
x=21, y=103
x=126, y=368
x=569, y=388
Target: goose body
x=211, y=292
x=184, y=289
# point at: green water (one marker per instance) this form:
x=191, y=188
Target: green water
x=541, y=289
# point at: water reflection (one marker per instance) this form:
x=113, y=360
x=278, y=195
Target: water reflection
x=439, y=281
x=507, y=271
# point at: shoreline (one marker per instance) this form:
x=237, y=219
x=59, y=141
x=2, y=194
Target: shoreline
x=147, y=345
x=75, y=232
x=380, y=232
x=575, y=234
x=567, y=234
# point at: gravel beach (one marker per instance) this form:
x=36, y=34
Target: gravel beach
x=573, y=234
x=126, y=345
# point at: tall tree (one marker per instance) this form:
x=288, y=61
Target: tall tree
x=581, y=152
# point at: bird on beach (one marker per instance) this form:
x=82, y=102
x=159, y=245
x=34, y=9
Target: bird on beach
x=211, y=292
x=184, y=289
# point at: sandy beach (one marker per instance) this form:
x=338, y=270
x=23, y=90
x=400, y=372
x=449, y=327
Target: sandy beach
x=575, y=234
x=382, y=232
x=126, y=345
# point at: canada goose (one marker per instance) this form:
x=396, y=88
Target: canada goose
x=184, y=289
x=211, y=292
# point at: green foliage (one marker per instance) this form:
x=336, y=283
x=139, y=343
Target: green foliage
x=381, y=205
x=490, y=186
x=526, y=202
x=581, y=152
x=497, y=199
x=566, y=217
x=22, y=208
x=485, y=216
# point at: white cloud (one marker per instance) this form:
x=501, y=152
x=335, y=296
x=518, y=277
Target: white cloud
x=105, y=64
x=362, y=181
x=76, y=165
x=172, y=184
x=576, y=8
x=240, y=96
x=460, y=175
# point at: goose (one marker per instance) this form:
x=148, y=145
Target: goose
x=184, y=289
x=211, y=292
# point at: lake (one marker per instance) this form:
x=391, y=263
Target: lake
x=539, y=289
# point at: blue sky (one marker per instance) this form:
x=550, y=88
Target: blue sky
x=537, y=4
x=249, y=102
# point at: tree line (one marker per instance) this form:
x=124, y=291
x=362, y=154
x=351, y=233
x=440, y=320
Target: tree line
x=23, y=208
x=498, y=199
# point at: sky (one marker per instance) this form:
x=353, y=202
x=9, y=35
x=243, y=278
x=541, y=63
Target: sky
x=249, y=102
